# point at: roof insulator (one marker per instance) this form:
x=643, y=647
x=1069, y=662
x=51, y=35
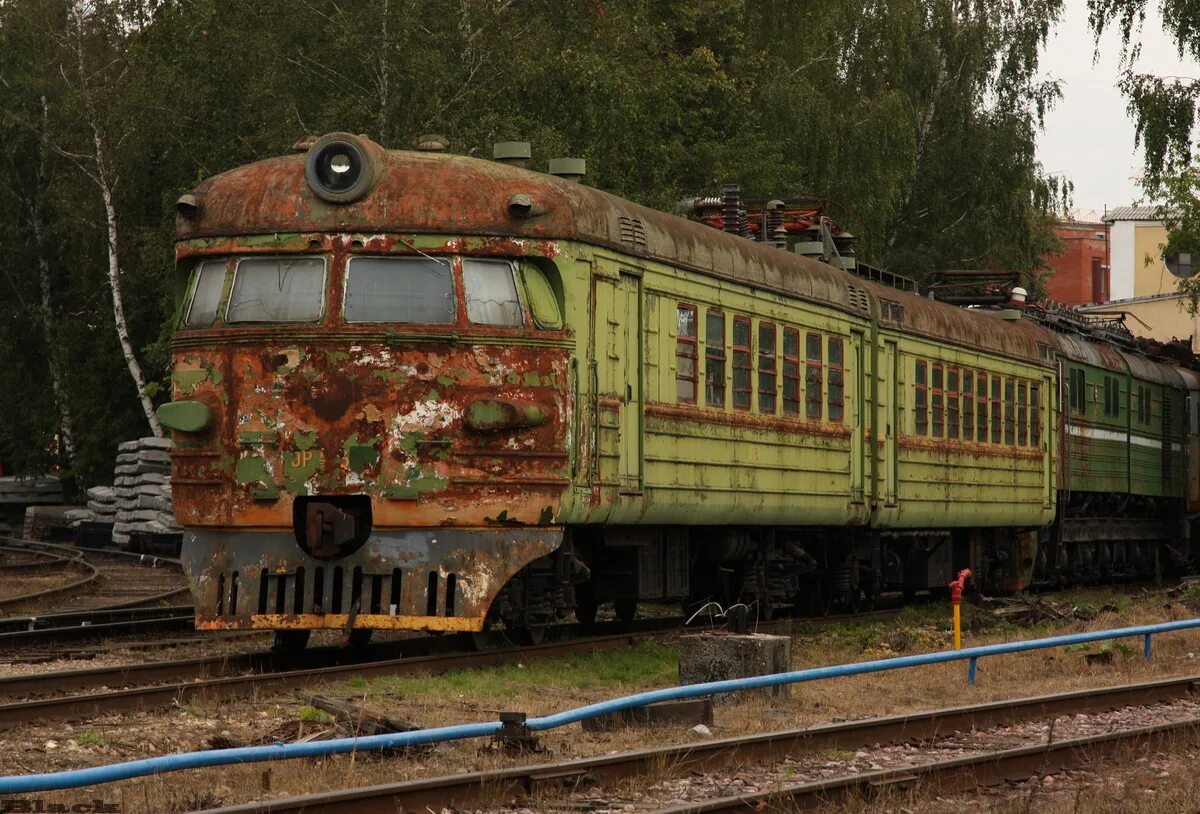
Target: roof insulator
x=572, y=169
x=513, y=153
x=431, y=143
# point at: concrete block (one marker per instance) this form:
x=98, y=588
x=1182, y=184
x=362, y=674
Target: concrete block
x=668, y=713
x=721, y=656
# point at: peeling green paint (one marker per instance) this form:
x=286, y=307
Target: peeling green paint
x=188, y=380
x=446, y=380
x=408, y=441
x=256, y=437
x=432, y=395
x=416, y=484
x=280, y=238
x=337, y=356
x=300, y=466
x=305, y=440
x=513, y=378
x=360, y=455
x=532, y=379
x=252, y=469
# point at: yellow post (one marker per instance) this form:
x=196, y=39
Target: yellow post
x=956, y=592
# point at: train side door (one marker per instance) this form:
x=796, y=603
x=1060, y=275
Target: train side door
x=1046, y=417
x=859, y=420
x=629, y=341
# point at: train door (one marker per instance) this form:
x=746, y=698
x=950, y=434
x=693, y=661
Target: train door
x=629, y=344
x=889, y=421
x=859, y=419
x=1044, y=415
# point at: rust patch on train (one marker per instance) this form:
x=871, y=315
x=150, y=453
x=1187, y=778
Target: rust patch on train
x=740, y=420
x=950, y=447
x=295, y=415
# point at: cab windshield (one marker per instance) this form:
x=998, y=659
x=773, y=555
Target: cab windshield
x=277, y=289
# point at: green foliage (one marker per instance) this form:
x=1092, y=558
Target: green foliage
x=314, y=715
x=1110, y=646
x=914, y=119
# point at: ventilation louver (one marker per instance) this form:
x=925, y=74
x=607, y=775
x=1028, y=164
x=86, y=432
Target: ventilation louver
x=633, y=232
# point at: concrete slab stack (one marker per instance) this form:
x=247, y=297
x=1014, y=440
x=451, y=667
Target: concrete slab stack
x=142, y=483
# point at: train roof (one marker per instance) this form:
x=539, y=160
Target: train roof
x=443, y=193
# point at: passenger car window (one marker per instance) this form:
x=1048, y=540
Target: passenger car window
x=400, y=289
x=277, y=289
x=491, y=293
x=206, y=294
x=543, y=303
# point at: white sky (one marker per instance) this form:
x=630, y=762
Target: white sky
x=1088, y=136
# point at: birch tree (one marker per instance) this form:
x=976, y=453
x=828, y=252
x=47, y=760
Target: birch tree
x=86, y=21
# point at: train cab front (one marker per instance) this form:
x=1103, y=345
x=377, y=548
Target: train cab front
x=370, y=429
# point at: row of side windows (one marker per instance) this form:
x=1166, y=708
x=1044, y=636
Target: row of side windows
x=778, y=361
x=1077, y=394
x=969, y=405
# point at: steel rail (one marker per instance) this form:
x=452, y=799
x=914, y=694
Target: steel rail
x=81, y=706
x=90, y=573
x=192, y=669
x=952, y=776
x=42, y=560
x=116, y=553
x=84, y=618
x=141, y=626
x=78, y=556
x=481, y=789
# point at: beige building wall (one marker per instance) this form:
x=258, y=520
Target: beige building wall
x=1150, y=278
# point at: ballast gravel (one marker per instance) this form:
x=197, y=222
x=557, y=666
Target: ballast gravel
x=811, y=767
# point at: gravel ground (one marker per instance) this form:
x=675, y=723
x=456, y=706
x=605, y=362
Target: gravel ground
x=807, y=768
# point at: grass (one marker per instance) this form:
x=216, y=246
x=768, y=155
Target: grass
x=649, y=663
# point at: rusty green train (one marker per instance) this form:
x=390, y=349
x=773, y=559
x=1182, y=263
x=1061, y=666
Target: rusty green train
x=420, y=390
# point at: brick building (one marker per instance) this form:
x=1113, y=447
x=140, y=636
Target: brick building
x=1081, y=271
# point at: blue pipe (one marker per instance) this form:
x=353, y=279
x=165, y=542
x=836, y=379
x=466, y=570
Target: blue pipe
x=281, y=751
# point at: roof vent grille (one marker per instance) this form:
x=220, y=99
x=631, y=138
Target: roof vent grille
x=893, y=311
x=858, y=299
x=633, y=232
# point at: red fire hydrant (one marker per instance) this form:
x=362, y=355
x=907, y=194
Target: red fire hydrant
x=956, y=592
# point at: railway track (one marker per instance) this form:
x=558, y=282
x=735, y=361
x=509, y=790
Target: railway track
x=173, y=682
x=483, y=789
x=54, y=628
x=105, y=579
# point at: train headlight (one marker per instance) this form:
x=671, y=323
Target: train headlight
x=341, y=167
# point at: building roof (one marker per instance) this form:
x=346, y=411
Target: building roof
x=1133, y=213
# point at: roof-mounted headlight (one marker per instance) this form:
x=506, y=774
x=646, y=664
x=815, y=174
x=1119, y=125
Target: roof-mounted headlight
x=342, y=167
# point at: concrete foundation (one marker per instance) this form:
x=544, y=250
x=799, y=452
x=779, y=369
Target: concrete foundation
x=720, y=656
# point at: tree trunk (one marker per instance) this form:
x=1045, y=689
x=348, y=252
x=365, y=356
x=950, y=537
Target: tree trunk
x=114, y=283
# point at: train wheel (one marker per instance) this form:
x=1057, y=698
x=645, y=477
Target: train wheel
x=483, y=640
x=625, y=608
x=585, y=604
x=290, y=641
x=854, y=602
x=820, y=599
x=532, y=634
x=585, y=612
x=359, y=638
